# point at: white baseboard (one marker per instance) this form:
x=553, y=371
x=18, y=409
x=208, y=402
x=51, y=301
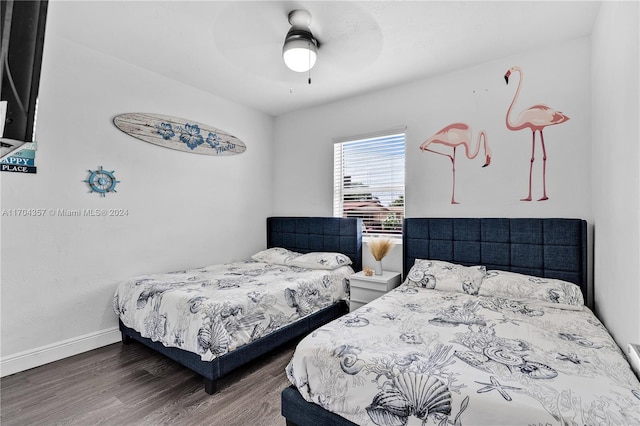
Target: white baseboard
x=45, y=354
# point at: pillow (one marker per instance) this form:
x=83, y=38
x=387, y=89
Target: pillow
x=276, y=255
x=513, y=285
x=320, y=260
x=445, y=276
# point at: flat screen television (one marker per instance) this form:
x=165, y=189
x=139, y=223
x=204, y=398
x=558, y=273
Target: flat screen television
x=23, y=25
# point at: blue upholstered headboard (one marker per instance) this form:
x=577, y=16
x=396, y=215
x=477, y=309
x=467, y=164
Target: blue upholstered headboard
x=547, y=247
x=308, y=234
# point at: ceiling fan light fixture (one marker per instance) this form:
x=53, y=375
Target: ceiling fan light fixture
x=300, y=55
x=300, y=50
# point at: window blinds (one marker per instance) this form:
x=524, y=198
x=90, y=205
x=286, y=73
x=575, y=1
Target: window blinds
x=369, y=181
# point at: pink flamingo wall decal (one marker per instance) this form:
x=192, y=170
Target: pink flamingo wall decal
x=454, y=135
x=536, y=118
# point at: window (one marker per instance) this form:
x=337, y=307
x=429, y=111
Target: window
x=369, y=181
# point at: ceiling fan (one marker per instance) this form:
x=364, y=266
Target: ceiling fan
x=336, y=38
x=300, y=49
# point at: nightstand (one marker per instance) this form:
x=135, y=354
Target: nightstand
x=364, y=289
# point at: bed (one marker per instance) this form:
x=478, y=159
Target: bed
x=216, y=318
x=488, y=328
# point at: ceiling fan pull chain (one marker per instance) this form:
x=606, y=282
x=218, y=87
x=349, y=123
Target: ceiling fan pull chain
x=309, y=48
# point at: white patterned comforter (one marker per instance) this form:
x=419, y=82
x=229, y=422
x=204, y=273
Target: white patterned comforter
x=214, y=310
x=422, y=356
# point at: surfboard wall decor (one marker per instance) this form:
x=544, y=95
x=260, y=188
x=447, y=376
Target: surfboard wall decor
x=179, y=134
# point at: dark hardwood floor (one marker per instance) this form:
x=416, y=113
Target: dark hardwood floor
x=132, y=385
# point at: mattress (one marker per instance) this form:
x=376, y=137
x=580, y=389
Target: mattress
x=468, y=356
x=213, y=310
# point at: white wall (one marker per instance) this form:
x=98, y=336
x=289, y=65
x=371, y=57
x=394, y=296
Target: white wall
x=615, y=176
x=184, y=210
x=558, y=76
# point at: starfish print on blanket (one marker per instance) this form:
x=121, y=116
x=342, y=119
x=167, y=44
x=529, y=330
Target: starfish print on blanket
x=502, y=389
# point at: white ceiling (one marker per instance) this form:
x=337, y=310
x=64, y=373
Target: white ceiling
x=234, y=48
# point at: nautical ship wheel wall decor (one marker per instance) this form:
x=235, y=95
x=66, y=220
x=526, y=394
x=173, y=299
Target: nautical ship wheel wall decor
x=102, y=181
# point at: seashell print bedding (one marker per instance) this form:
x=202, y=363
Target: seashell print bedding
x=213, y=310
x=419, y=356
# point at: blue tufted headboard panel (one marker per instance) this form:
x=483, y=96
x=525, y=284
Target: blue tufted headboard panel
x=308, y=234
x=545, y=247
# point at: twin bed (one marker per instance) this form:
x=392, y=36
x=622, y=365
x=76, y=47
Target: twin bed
x=489, y=327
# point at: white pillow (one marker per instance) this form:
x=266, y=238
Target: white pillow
x=320, y=260
x=445, y=276
x=275, y=255
x=512, y=285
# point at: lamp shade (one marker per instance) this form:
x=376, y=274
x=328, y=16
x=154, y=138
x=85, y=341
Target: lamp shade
x=300, y=54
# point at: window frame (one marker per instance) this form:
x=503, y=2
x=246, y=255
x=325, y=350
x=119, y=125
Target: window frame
x=371, y=221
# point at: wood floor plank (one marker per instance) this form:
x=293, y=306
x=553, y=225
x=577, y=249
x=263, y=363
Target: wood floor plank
x=133, y=385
